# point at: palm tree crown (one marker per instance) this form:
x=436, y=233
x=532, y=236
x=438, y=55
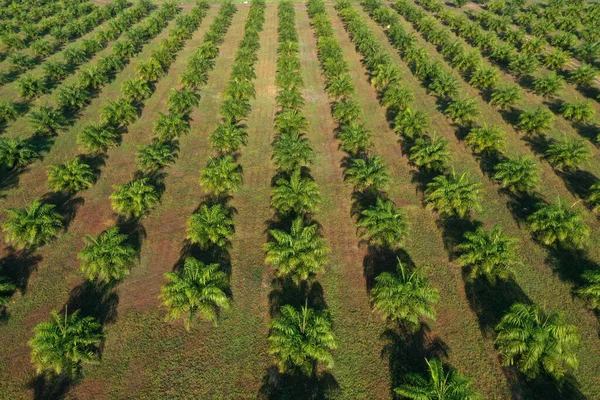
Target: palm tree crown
x=299, y=195
x=383, y=224
x=107, y=256
x=453, y=195
x=211, y=226
x=32, y=226
x=135, y=198
x=559, y=224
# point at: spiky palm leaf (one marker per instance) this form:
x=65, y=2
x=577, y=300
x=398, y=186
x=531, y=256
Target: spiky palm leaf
x=228, y=138
x=559, y=224
x=108, y=256
x=291, y=151
x=298, y=195
x=71, y=177
x=211, y=225
x=16, y=152
x=32, y=226
x=518, y=174
x=221, y=175
x=367, y=173
x=135, y=198
x=383, y=224
x=453, y=195
x=431, y=153
x=568, y=155
x=156, y=155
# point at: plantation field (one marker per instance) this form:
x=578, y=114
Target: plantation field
x=172, y=77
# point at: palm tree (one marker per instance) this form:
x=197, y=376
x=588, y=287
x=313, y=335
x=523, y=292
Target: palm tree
x=404, y=297
x=463, y=112
x=556, y=59
x=156, y=155
x=150, y=70
x=291, y=151
x=590, y=291
x=523, y=64
x=355, y=138
x=92, y=78
x=519, y=174
x=487, y=139
x=584, y=75
x=397, y=97
x=170, y=126
x=537, y=343
x=228, y=138
x=506, y=97
x=46, y=120
x=55, y=71
x=442, y=385
x=299, y=254
x=485, y=78
x=431, y=153
x=578, y=111
x=290, y=121
x=383, y=224
x=547, y=86
x=384, y=75
x=181, y=102
x=33, y=226
x=65, y=342
x=221, y=175
x=536, y=120
x=594, y=196
x=8, y=111
x=488, y=253
x=16, y=152
x=235, y=110
x=411, y=124
x=453, y=195
x=367, y=174
x=296, y=195
x=135, y=198
x=118, y=113
x=558, y=224
x=7, y=288
x=197, y=289
x=136, y=90
x=211, y=225
x=290, y=98
x=346, y=111
x=107, y=256
x=567, y=154
x=72, y=97
x=71, y=177
x=98, y=138
x=31, y=87
x=445, y=86
x=340, y=87
x=301, y=339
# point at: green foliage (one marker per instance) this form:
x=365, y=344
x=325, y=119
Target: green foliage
x=299, y=254
x=463, y=112
x=108, y=256
x=302, y=339
x=156, y=155
x=367, y=174
x=453, y=195
x=181, y=102
x=506, y=97
x=46, y=120
x=558, y=224
x=548, y=85
x=98, y=138
x=537, y=343
x=296, y=195
x=31, y=87
x=431, y=153
x=519, y=174
x=8, y=111
x=228, y=138
x=222, y=175
x=16, y=152
x=568, y=154
x=72, y=97
x=135, y=198
x=65, y=342
x=33, y=226
x=71, y=177
x=347, y=111
x=170, y=126
x=7, y=288
x=486, y=139
x=536, y=120
x=584, y=75
x=291, y=151
x=411, y=124
x=211, y=225
x=197, y=289
x=383, y=224
x=489, y=254
x=136, y=90
x=578, y=111
x=355, y=138
x=118, y=113
x=590, y=290
x=485, y=78
x=556, y=59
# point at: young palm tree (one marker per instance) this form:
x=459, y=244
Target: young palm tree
x=404, y=297
x=118, y=113
x=72, y=97
x=488, y=253
x=290, y=99
x=367, y=174
x=487, y=139
x=397, y=97
x=97, y=138
x=444, y=86
x=431, y=153
x=384, y=75
x=485, y=78
x=463, y=112
x=65, y=342
x=584, y=75
x=299, y=254
x=302, y=339
x=150, y=70
x=71, y=177
x=341, y=87
x=136, y=90
x=355, y=138
x=181, y=102
x=16, y=153
x=537, y=120
x=92, y=78
x=8, y=111
x=228, y=138
x=453, y=195
x=547, y=86
x=221, y=175
x=383, y=224
x=55, y=71
x=291, y=121
x=558, y=224
x=170, y=126
x=156, y=155
x=296, y=195
x=506, y=97
x=108, y=256
x=519, y=174
x=578, y=111
x=33, y=226
x=31, y=87
x=590, y=291
x=211, y=226
x=523, y=64
x=234, y=110
x=537, y=343
x=556, y=59
x=291, y=151
x=135, y=198
x=442, y=384
x=346, y=111
x=411, y=124
x=197, y=289
x=567, y=154
x=594, y=196
x=46, y=120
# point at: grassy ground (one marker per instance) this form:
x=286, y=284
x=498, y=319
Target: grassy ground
x=144, y=357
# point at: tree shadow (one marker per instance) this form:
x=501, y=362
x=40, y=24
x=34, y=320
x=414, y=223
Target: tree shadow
x=569, y=263
x=381, y=259
x=96, y=162
x=296, y=386
x=66, y=205
x=18, y=265
x=546, y=388
x=9, y=178
x=454, y=229
x=285, y=291
x=95, y=299
x=510, y=115
x=538, y=143
x=48, y=386
x=578, y=182
x=522, y=205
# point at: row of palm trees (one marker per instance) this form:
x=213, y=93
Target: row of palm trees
x=45, y=121
x=527, y=336
x=555, y=224
x=63, y=344
x=20, y=62
x=201, y=289
x=301, y=335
